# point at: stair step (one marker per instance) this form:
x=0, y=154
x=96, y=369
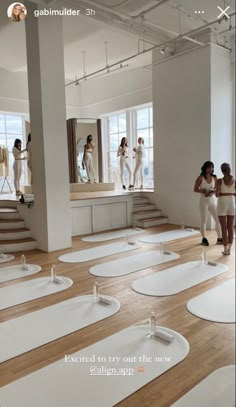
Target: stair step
x=17, y=245
x=143, y=207
x=13, y=214
x=146, y=223
x=11, y=224
x=8, y=210
x=8, y=203
x=140, y=200
x=12, y=234
x=147, y=214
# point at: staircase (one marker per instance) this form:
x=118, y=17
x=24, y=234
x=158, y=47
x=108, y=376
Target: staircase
x=14, y=236
x=145, y=214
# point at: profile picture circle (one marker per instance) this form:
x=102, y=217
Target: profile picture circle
x=17, y=12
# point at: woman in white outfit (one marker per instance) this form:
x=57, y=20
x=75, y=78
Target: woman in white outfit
x=206, y=185
x=226, y=206
x=123, y=153
x=17, y=166
x=139, y=155
x=29, y=157
x=88, y=158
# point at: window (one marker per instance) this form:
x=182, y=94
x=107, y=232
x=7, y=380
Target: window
x=116, y=128
x=144, y=129
x=132, y=124
x=12, y=126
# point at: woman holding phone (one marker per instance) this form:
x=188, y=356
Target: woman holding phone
x=206, y=185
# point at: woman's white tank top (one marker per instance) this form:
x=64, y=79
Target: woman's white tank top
x=208, y=187
x=227, y=189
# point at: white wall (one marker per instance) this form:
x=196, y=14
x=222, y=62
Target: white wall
x=182, y=128
x=192, y=104
x=14, y=94
x=90, y=99
x=115, y=92
x=222, y=108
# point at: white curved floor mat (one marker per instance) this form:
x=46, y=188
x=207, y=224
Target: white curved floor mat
x=216, y=390
x=102, y=237
x=131, y=264
x=97, y=252
x=178, y=278
x=16, y=271
x=31, y=290
x=6, y=257
x=216, y=304
x=168, y=236
x=103, y=383
x=51, y=323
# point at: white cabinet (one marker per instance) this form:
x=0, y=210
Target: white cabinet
x=109, y=216
x=81, y=220
x=94, y=215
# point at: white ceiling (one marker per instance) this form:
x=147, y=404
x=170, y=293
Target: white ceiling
x=117, y=22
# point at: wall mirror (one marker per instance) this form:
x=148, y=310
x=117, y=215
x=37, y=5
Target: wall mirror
x=84, y=128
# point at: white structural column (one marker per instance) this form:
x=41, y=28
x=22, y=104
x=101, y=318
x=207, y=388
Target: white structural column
x=192, y=103
x=45, y=61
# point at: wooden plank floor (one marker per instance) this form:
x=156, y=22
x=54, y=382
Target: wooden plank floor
x=212, y=345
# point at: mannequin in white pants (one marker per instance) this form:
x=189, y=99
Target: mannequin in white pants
x=139, y=155
x=17, y=166
x=206, y=185
x=123, y=153
x=88, y=159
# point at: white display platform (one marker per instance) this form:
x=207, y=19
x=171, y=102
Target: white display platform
x=92, y=187
x=31, y=290
x=216, y=390
x=6, y=257
x=102, y=237
x=48, y=324
x=178, y=278
x=131, y=264
x=99, y=380
x=16, y=271
x=169, y=236
x=217, y=304
x=97, y=252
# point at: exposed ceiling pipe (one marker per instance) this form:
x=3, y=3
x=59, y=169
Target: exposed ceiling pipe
x=119, y=17
x=228, y=30
x=105, y=8
x=150, y=9
x=120, y=4
x=160, y=27
x=149, y=67
x=149, y=50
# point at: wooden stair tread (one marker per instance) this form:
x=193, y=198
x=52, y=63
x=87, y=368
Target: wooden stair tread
x=140, y=204
x=8, y=210
x=15, y=241
x=147, y=212
x=152, y=219
x=10, y=220
x=14, y=230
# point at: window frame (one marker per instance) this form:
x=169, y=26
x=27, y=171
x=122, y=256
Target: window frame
x=131, y=134
x=22, y=136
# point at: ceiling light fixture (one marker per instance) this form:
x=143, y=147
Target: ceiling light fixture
x=169, y=50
